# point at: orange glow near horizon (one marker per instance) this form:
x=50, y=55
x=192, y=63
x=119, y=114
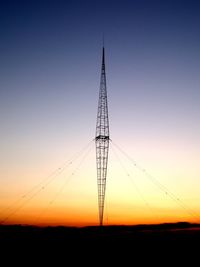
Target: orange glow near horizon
x=80, y=218
x=84, y=212
x=69, y=195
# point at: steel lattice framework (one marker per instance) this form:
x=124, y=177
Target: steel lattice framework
x=102, y=140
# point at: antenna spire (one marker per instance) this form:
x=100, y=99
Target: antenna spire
x=102, y=140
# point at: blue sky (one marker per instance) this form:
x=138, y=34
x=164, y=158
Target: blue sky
x=50, y=59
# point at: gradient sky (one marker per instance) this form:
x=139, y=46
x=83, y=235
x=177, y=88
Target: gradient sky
x=50, y=59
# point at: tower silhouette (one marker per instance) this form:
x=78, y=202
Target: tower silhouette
x=102, y=140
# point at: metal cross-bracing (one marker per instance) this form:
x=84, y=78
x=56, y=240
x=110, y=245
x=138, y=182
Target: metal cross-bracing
x=102, y=140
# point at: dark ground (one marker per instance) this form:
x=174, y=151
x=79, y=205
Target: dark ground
x=159, y=245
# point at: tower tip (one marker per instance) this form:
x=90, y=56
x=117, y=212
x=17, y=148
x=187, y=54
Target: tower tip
x=103, y=56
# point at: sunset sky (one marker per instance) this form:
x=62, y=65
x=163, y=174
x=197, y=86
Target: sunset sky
x=50, y=62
